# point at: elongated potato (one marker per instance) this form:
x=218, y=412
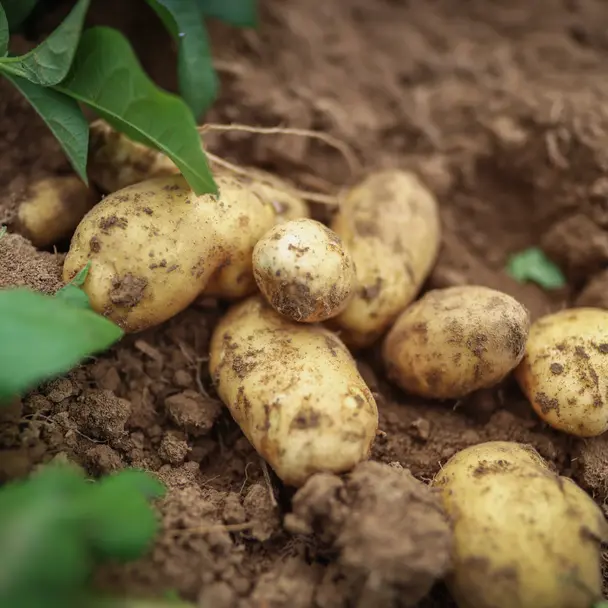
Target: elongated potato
x=564, y=373
x=115, y=161
x=155, y=245
x=51, y=209
x=455, y=341
x=294, y=390
x=523, y=536
x=304, y=271
x=390, y=224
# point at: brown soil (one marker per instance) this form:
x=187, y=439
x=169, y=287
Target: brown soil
x=501, y=108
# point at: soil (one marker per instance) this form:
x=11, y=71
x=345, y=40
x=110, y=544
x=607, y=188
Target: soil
x=501, y=109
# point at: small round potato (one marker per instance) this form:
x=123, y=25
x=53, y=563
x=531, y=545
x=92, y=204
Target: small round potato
x=155, y=245
x=455, y=341
x=304, y=271
x=52, y=208
x=115, y=161
x=564, y=373
x=523, y=536
x=295, y=391
x=390, y=224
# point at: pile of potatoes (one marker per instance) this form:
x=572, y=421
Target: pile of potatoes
x=304, y=296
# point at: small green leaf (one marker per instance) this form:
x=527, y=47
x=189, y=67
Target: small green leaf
x=198, y=81
x=107, y=76
x=241, y=13
x=17, y=11
x=3, y=230
x=4, y=33
x=64, y=118
x=74, y=295
x=81, y=275
x=43, y=336
x=533, y=265
x=49, y=63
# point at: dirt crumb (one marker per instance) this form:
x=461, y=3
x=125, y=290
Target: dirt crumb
x=173, y=449
x=24, y=266
x=385, y=552
x=101, y=414
x=233, y=512
x=102, y=459
x=591, y=467
x=260, y=510
x=192, y=412
x=128, y=290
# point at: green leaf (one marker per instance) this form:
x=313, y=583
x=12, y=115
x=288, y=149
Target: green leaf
x=3, y=230
x=49, y=63
x=533, y=265
x=17, y=11
x=241, y=13
x=64, y=118
x=107, y=76
x=43, y=336
x=122, y=524
x=198, y=81
x=4, y=33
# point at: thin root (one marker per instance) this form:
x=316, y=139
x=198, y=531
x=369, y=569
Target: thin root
x=349, y=156
x=324, y=199
x=217, y=528
x=268, y=481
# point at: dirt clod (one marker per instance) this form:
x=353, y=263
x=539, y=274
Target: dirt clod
x=192, y=412
x=101, y=414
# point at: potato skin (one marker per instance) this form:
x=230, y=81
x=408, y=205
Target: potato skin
x=115, y=161
x=52, y=208
x=155, y=245
x=390, y=224
x=523, y=536
x=456, y=340
x=294, y=390
x=564, y=373
x=304, y=271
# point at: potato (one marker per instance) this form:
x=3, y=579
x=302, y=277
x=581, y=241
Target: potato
x=455, y=341
x=390, y=224
x=523, y=536
x=115, y=161
x=294, y=390
x=564, y=373
x=155, y=245
x=304, y=271
x=51, y=209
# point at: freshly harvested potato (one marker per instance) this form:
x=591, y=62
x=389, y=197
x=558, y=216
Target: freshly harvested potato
x=456, y=340
x=155, y=245
x=115, y=161
x=564, y=373
x=304, y=271
x=294, y=390
x=390, y=224
x=51, y=209
x=524, y=537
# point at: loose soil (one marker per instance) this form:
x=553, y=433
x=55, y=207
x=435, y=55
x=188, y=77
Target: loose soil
x=501, y=107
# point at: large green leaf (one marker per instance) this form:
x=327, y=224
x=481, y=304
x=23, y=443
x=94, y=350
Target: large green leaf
x=198, y=81
x=49, y=63
x=63, y=116
x=17, y=11
x=107, y=76
x=4, y=33
x=42, y=336
x=242, y=13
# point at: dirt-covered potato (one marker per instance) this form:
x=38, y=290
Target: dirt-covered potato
x=304, y=271
x=155, y=245
x=564, y=372
x=294, y=390
x=523, y=536
x=115, y=161
x=455, y=341
x=51, y=208
x=390, y=224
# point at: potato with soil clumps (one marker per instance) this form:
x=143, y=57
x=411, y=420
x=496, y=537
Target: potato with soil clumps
x=115, y=161
x=303, y=270
x=390, y=224
x=155, y=245
x=524, y=536
x=294, y=390
x=455, y=341
x=564, y=373
x=51, y=208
